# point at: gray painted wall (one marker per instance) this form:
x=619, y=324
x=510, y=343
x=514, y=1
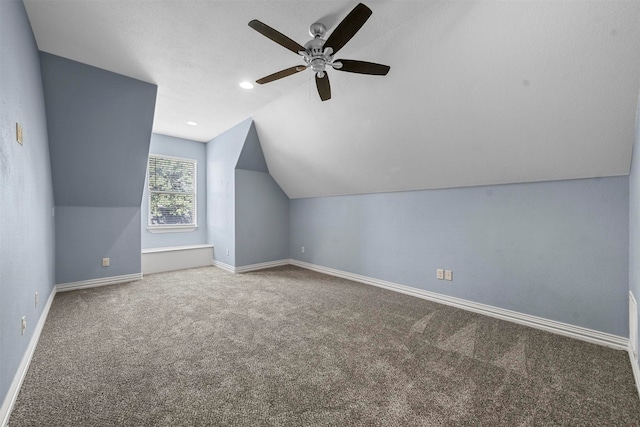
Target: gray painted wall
x=26, y=193
x=262, y=208
x=251, y=157
x=99, y=126
x=262, y=219
x=634, y=218
x=247, y=212
x=85, y=234
x=558, y=250
x=186, y=149
x=222, y=155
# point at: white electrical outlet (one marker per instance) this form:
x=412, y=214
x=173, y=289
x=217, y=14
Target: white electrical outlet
x=23, y=324
x=302, y=250
x=227, y=251
x=448, y=275
x=440, y=274
x=105, y=262
x=36, y=299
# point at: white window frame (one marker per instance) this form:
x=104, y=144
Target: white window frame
x=173, y=228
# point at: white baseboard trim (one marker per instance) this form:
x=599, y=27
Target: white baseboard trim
x=92, y=283
x=224, y=266
x=584, y=334
x=635, y=368
x=14, y=388
x=251, y=267
x=261, y=266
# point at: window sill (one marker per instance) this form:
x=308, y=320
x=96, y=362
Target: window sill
x=172, y=228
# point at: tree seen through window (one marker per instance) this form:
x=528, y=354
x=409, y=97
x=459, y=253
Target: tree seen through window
x=172, y=191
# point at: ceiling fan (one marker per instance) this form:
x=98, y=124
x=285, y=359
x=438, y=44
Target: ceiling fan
x=318, y=53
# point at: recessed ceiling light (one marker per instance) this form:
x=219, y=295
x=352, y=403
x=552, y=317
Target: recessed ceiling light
x=246, y=85
x=192, y=123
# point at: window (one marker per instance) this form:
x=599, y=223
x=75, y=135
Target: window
x=172, y=194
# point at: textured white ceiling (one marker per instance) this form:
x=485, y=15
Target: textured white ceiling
x=479, y=92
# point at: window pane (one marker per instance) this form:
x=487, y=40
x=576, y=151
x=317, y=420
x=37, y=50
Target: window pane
x=171, y=209
x=172, y=191
x=171, y=175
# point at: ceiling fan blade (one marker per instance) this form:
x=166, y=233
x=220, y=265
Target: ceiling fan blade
x=280, y=74
x=276, y=36
x=348, y=27
x=324, y=88
x=363, y=67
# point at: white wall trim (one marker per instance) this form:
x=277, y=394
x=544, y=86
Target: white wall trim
x=224, y=266
x=633, y=336
x=251, y=267
x=261, y=266
x=172, y=228
x=584, y=334
x=172, y=258
x=71, y=286
x=16, y=384
x=635, y=368
x=175, y=248
x=633, y=325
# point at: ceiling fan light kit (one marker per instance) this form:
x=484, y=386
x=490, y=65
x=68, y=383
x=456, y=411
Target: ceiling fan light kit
x=318, y=53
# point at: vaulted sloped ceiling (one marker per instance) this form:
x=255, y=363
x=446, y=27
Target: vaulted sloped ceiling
x=479, y=92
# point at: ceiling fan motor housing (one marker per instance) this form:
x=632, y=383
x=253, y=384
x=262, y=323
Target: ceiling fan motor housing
x=315, y=47
x=316, y=56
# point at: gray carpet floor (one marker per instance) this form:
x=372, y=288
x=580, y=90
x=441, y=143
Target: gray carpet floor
x=291, y=347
